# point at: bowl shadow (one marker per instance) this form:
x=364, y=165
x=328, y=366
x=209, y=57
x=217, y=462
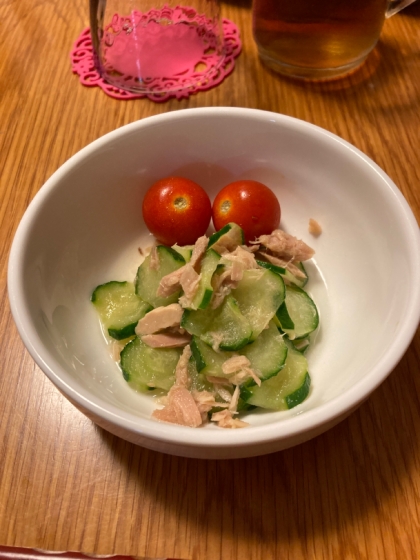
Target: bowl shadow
x=291, y=497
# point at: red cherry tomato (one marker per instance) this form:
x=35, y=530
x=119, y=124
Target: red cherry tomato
x=251, y=205
x=176, y=210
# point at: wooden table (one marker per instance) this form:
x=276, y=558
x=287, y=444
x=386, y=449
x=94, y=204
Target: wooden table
x=65, y=484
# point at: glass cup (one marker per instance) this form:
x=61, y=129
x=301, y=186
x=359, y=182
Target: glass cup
x=319, y=39
x=144, y=46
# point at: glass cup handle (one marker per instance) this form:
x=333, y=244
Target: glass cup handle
x=395, y=6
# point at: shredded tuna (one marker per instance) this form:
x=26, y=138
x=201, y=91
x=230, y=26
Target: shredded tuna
x=166, y=340
x=224, y=278
x=233, y=405
x=223, y=393
x=286, y=246
x=254, y=374
x=219, y=296
x=237, y=271
x=181, y=408
x=250, y=249
x=218, y=381
x=190, y=281
x=289, y=265
x=159, y=319
x=182, y=377
x=234, y=364
x=239, y=377
x=222, y=285
x=170, y=284
x=216, y=339
x=238, y=369
x=242, y=256
x=239, y=260
x=225, y=419
x=314, y=228
x=199, y=250
x=154, y=258
x=244, y=375
x=205, y=402
x=204, y=399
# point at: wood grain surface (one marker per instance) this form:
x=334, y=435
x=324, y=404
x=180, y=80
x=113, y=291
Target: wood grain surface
x=65, y=484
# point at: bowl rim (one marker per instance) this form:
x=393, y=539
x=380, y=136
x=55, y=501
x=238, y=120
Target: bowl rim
x=179, y=435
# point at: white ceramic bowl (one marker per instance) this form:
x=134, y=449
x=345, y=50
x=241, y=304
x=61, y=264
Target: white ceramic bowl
x=84, y=227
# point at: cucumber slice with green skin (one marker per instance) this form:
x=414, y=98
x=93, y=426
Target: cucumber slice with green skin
x=224, y=326
x=272, y=267
x=285, y=390
x=209, y=265
x=284, y=317
x=148, y=279
x=185, y=251
x=268, y=353
x=119, y=308
x=228, y=237
x=301, y=282
x=146, y=368
x=287, y=276
x=198, y=380
x=208, y=362
x=303, y=312
x=301, y=344
x=259, y=294
x=244, y=406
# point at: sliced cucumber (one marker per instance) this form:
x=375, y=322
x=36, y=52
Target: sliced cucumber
x=227, y=238
x=198, y=380
x=284, y=317
x=287, y=276
x=291, y=279
x=119, y=308
x=244, y=406
x=272, y=267
x=285, y=390
x=268, y=353
x=301, y=344
x=301, y=282
x=208, y=362
x=205, y=290
x=185, y=251
x=225, y=326
x=148, y=279
x=259, y=294
x=302, y=311
x=144, y=367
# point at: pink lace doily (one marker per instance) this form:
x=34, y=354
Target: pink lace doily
x=216, y=67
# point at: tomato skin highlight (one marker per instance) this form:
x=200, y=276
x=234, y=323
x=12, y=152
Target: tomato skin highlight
x=251, y=205
x=176, y=210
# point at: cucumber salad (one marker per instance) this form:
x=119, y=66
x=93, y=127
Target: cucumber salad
x=214, y=329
